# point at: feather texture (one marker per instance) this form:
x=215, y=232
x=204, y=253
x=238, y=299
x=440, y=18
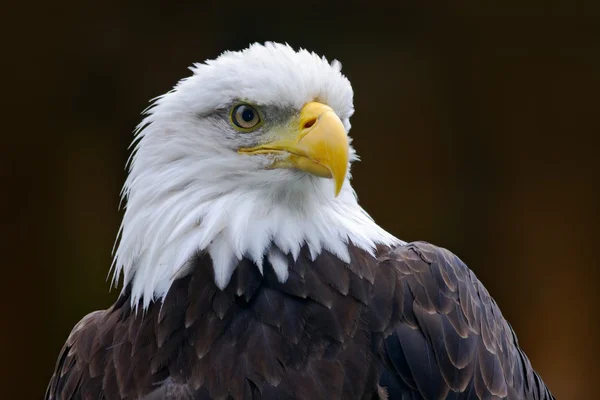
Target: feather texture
x=452, y=341
x=406, y=336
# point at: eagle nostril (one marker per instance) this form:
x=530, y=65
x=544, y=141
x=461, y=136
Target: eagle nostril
x=309, y=123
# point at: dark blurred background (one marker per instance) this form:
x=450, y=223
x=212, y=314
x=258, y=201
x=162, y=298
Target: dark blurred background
x=477, y=126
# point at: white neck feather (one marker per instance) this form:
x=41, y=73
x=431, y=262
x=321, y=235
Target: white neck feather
x=159, y=239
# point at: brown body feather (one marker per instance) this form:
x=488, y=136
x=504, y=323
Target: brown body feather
x=413, y=323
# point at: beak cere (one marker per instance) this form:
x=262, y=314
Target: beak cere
x=319, y=145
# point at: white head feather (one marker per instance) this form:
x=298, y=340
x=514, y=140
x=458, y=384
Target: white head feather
x=189, y=190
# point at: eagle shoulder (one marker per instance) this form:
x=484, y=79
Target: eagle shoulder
x=70, y=371
x=451, y=340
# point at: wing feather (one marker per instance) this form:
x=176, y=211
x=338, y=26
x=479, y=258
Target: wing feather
x=68, y=373
x=451, y=340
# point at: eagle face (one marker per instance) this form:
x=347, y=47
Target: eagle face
x=244, y=114
x=248, y=157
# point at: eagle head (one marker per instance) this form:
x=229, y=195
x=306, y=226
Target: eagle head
x=249, y=157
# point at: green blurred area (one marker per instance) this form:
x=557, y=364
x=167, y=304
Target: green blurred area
x=477, y=127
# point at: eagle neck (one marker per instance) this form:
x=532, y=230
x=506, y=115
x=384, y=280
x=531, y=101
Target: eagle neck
x=263, y=225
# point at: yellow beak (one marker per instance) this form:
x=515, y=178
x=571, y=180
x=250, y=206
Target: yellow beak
x=318, y=145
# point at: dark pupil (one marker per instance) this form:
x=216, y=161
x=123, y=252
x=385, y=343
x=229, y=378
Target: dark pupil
x=248, y=115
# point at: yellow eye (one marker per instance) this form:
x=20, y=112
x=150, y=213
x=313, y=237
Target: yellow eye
x=245, y=117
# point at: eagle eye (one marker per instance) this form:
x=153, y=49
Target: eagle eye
x=245, y=117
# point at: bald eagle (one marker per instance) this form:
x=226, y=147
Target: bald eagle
x=250, y=271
